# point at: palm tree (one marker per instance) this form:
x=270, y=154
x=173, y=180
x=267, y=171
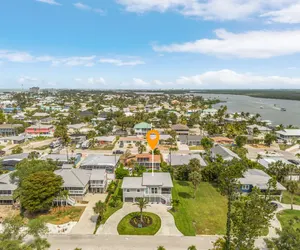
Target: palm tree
x=161, y=248
x=99, y=209
x=142, y=203
x=293, y=188
x=141, y=148
x=192, y=248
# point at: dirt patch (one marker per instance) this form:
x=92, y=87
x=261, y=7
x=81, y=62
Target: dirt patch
x=8, y=211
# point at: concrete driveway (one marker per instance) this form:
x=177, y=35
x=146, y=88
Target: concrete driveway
x=168, y=227
x=85, y=225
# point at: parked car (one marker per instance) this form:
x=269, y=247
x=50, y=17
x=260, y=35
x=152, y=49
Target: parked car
x=85, y=144
x=55, y=144
x=118, y=152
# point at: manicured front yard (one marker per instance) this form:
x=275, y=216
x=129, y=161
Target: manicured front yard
x=206, y=214
x=125, y=228
x=285, y=216
x=62, y=215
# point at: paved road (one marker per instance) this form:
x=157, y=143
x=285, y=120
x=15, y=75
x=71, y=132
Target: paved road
x=168, y=226
x=85, y=225
x=118, y=242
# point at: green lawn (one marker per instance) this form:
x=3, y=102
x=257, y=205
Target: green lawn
x=206, y=214
x=287, y=198
x=125, y=228
x=285, y=216
x=196, y=148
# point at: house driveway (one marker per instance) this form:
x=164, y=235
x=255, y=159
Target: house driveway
x=168, y=227
x=85, y=225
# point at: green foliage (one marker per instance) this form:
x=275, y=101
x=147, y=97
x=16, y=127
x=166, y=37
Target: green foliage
x=206, y=143
x=280, y=170
x=161, y=248
x=269, y=139
x=246, y=227
x=37, y=191
x=293, y=188
x=99, y=209
x=195, y=179
x=240, y=141
x=15, y=231
x=125, y=228
x=142, y=203
x=288, y=238
x=192, y=248
x=17, y=150
x=121, y=172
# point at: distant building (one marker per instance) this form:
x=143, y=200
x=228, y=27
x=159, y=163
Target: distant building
x=180, y=129
x=40, y=130
x=175, y=159
x=9, y=129
x=146, y=160
x=224, y=152
x=142, y=128
x=288, y=135
x=190, y=140
x=34, y=90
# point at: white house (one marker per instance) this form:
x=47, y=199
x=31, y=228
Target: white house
x=288, y=135
x=156, y=188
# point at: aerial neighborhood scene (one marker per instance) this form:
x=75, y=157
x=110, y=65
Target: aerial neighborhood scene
x=96, y=154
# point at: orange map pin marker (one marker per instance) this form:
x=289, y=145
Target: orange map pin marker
x=152, y=138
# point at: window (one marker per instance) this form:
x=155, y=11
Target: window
x=154, y=190
x=245, y=187
x=138, y=190
x=128, y=190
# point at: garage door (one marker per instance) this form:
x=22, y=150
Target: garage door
x=128, y=199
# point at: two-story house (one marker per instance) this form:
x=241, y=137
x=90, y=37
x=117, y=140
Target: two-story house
x=130, y=140
x=146, y=160
x=190, y=140
x=180, y=129
x=288, y=135
x=142, y=128
x=40, y=130
x=7, y=188
x=98, y=161
x=79, y=182
x=9, y=129
x=157, y=188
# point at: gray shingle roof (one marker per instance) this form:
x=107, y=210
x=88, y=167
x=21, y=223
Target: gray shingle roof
x=258, y=178
x=6, y=183
x=99, y=160
x=179, y=160
x=158, y=179
x=132, y=182
x=224, y=152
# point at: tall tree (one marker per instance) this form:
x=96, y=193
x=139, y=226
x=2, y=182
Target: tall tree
x=293, y=188
x=195, y=178
x=37, y=191
x=228, y=184
x=251, y=215
x=142, y=203
x=240, y=141
x=61, y=132
x=100, y=209
x=288, y=238
x=206, y=143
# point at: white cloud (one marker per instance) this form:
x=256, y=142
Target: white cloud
x=209, y=9
x=77, y=79
x=217, y=79
x=16, y=56
x=52, y=2
x=119, y=62
x=289, y=14
x=228, y=78
x=24, y=79
x=87, y=61
x=85, y=7
x=250, y=44
x=99, y=80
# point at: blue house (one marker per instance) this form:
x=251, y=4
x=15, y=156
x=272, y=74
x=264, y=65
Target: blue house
x=259, y=179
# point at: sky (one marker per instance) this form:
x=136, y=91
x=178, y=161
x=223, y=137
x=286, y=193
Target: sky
x=150, y=44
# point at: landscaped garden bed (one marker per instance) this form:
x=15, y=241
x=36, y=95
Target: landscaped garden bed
x=131, y=224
